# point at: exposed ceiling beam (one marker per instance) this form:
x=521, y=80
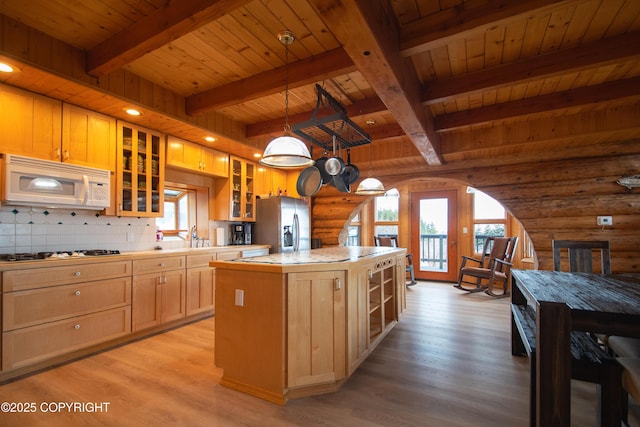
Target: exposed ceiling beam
x=370, y=35
x=603, y=52
x=307, y=71
x=618, y=89
x=170, y=22
x=440, y=28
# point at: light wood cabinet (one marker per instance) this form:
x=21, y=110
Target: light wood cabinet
x=235, y=196
x=159, y=291
x=315, y=328
x=271, y=181
x=88, y=138
x=201, y=283
x=140, y=172
x=51, y=311
x=27, y=346
x=193, y=157
x=30, y=124
x=382, y=298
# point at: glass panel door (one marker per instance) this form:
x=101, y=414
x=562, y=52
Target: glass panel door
x=433, y=225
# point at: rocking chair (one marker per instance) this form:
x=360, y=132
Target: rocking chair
x=492, y=268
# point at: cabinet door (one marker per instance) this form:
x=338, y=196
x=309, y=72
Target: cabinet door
x=315, y=328
x=30, y=124
x=200, y=290
x=358, y=318
x=215, y=163
x=183, y=154
x=88, y=138
x=173, y=295
x=140, y=183
x=235, y=197
x=146, y=302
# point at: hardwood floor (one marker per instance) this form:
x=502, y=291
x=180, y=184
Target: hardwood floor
x=447, y=362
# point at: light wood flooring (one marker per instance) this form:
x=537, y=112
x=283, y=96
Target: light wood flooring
x=446, y=363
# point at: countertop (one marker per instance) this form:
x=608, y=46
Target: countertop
x=152, y=253
x=339, y=257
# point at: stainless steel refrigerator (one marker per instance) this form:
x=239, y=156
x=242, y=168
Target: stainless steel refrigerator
x=284, y=223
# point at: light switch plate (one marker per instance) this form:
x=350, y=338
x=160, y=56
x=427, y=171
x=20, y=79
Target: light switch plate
x=240, y=297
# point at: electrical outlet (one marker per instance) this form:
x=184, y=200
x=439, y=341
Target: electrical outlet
x=239, y=297
x=604, y=220
x=129, y=236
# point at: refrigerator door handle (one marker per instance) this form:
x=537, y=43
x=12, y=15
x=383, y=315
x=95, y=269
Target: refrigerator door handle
x=296, y=233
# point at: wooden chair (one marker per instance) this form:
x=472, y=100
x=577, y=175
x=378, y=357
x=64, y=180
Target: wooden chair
x=580, y=255
x=393, y=242
x=492, y=268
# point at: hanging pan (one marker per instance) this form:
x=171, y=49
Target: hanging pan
x=351, y=170
x=334, y=165
x=309, y=181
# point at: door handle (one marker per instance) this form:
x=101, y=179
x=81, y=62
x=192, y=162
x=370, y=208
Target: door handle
x=337, y=284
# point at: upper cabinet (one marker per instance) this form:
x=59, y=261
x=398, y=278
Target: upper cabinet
x=30, y=124
x=194, y=157
x=88, y=138
x=235, y=196
x=36, y=126
x=140, y=172
x=271, y=181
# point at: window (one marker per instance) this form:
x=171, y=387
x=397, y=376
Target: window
x=176, y=220
x=489, y=218
x=386, y=214
x=353, y=236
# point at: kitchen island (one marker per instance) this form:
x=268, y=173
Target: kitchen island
x=299, y=324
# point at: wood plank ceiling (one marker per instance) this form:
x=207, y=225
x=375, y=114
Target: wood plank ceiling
x=445, y=81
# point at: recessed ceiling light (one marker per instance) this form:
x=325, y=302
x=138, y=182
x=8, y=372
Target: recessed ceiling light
x=257, y=155
x=6, y=68
x=209, y=138
x=132, y=112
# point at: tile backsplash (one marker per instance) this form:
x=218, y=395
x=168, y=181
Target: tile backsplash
x=30, y=229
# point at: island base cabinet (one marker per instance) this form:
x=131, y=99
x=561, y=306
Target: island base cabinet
x=315, y=328
x=249, y=335
x=26, y=346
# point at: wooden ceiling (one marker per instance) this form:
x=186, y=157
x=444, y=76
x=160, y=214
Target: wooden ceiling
x=447, y=82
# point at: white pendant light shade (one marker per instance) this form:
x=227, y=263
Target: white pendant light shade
x=286, y=152
x=370, y=187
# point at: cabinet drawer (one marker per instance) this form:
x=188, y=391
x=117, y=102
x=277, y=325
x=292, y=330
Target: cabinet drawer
x=32, y=278
x=200, y=260
x=160, y=263
x=30, y=345
x=27, y=308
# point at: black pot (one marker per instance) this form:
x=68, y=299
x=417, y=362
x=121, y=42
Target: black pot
x=309, y=181
x=320, y=164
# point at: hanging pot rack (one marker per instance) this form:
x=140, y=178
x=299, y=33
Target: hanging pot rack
x=321, y=131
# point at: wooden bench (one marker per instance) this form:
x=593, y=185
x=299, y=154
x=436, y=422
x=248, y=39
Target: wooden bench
x=589, y=362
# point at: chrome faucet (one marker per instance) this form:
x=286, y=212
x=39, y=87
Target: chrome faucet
x=194, y=237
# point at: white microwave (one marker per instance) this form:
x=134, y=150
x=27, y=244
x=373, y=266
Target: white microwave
x=37, y=182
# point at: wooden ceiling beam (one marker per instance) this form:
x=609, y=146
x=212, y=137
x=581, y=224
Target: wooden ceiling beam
x=457, y=22
x=307, y=71
x=370, y=35
x=603, y=52
x=608, y=91
x=170, y=22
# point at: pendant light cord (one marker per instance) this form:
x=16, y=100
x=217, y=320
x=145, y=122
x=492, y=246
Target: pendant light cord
x=287, y=126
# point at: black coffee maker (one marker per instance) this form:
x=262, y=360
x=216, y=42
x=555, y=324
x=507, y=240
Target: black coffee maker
x=240, y=234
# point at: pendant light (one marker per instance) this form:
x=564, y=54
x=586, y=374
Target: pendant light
x=286, y=152
x=370, y=186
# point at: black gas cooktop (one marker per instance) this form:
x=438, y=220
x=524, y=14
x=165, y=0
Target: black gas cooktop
x=31, y=256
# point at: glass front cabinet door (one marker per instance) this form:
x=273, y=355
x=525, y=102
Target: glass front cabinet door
x=235, y=197
x=140, y=183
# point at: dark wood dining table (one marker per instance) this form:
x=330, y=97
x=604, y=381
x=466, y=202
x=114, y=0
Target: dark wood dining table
x=607, y=304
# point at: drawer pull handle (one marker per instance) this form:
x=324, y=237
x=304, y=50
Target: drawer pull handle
x=77, y=293
x=77, y=273
x=76, y=326
x=161, y=264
